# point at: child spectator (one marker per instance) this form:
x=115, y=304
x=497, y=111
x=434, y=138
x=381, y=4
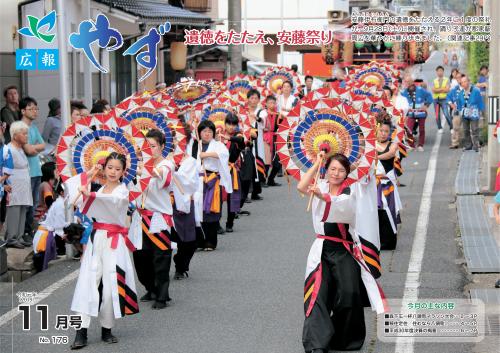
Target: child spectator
x=49, y=237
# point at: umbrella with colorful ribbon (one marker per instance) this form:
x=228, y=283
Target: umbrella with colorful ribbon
x=237, y=87
x=92, y=139
x=379, y=74
x=178, y=132
x=145, y=119
x=329, y=125
x=189, y=93
x=216, y=110
x=273, y=78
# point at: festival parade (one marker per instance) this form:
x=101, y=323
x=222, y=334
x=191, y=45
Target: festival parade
x=250, y=176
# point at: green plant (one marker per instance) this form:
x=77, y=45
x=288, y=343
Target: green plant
x=477, y=55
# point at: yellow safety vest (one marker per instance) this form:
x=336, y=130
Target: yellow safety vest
x=444, y=83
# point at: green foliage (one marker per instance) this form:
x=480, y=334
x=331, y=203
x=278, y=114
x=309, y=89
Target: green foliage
x=477, y=55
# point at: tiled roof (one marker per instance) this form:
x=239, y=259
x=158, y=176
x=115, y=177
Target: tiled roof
x=158, y=11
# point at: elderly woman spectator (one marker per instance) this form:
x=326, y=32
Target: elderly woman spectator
x=20, y=197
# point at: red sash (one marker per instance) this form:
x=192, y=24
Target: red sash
x=114, y=231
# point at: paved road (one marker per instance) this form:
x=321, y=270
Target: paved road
x=247, y=295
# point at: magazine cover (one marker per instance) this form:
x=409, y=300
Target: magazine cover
x=241, y=176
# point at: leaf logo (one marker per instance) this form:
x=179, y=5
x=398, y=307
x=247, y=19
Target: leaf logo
x=36, y=26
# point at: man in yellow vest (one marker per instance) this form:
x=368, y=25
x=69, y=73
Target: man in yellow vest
x=440, y=89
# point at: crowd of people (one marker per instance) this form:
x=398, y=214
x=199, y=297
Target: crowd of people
x=182, y=205
x=23, y=158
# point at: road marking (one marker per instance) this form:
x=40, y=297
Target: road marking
x=412, y=283
x=11, y=314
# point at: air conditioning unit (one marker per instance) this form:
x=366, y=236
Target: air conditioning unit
x=336, y=16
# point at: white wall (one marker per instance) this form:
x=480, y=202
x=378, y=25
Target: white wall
x=8, y=19
x=297, y=14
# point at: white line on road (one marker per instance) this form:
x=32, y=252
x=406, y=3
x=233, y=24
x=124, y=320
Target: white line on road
x=405, y=345
x=11, y=314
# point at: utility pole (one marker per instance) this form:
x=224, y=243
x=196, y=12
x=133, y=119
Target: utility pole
x=234, y=22
x=64, y=93
x=492, y=8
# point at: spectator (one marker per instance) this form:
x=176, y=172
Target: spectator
x=454, y=61
x=3, y=180
x=35, y=145
x=445, y=57
x=440, y=89
x=46, y=192
x=53, y=124
x=10, y=112
x=469, y=103
x=454, y=78
x=482, y=81
x=20, y=197
x=48, y=240
x=419, y=100
x=294, y=68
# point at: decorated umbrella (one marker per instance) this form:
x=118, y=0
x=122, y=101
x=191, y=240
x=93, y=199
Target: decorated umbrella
x=145, y=119
x=333, y=91
x=329, y=125
x=178, y=131
x=90, y=140
x=272, y=78
x=237, y=87
x=379, y=74
x=189, y=93
x=130, y=104
x=216, y=110
x=383, y=109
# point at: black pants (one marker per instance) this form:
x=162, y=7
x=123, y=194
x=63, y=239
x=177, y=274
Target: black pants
x=230, y=215
x=185, y=252
x=388, y=239
x=276, y=168
x=210, y=232
x=245, y=189
x=3, y=208
x=337, y=319
x=153, y=269
x=256, y=187
x=60, y=245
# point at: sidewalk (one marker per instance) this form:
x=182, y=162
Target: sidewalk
x=479, y=232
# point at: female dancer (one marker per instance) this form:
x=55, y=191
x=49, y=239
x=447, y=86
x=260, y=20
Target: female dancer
x=184, y=211
x=106, y=261
x=337, y=280
x=389, y=203
x=152, y=234
x=215, y=162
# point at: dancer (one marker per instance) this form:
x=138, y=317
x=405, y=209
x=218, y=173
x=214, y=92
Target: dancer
x=184, y=231
x=389, y=203
x=151, y=227
x=235, y=144
x=106, y=261
x=337, y=277
x=256, y=143
x=214, y=157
